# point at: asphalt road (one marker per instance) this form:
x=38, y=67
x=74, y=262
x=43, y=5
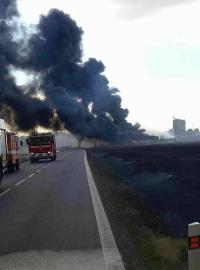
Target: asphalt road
x=47, y=219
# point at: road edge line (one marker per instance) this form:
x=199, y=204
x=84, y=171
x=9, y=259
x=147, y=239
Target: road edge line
x=5, y=192
x=111, y=253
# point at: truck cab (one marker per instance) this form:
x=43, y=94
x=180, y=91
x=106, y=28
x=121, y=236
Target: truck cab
x=9, y=151
x=42, y=146
x=3, y=150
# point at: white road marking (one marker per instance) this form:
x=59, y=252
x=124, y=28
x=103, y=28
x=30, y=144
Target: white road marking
x=39, y=170
x=44, y=167
x=6, y=191
x=111, y=253
x=31, y=175
x=20, y=182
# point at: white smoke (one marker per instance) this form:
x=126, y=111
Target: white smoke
x=131, y=9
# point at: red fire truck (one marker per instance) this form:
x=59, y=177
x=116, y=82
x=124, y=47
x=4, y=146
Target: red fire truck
x=9, y=151
x=13, y=158
x=42, y=146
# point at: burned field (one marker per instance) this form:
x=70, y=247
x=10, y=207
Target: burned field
x=165, y=178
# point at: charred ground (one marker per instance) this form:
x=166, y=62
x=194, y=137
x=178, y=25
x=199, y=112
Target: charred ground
x=166, y=178
x=150, y=194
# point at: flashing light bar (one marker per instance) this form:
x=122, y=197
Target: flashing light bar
x=41, y=134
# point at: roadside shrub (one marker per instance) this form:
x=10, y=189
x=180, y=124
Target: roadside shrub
x=169, y=250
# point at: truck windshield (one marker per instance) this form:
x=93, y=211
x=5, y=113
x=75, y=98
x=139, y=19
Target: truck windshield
x=40, y=141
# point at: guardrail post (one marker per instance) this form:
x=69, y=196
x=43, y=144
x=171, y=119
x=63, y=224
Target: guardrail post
x=194, y=246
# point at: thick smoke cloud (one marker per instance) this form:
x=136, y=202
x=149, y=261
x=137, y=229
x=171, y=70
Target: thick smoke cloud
x=77, y=94
x=8, y=9
x=28, y=111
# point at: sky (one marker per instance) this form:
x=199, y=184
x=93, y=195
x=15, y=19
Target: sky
x=151, y=50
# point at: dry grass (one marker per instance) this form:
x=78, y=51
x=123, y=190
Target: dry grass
x=168, y=249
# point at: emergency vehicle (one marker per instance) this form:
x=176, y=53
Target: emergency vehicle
x=9, y=150
x=41, y=146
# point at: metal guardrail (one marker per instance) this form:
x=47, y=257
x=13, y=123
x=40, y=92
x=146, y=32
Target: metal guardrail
x=194, y=246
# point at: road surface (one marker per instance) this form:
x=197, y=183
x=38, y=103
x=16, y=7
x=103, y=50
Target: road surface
x=47, y=217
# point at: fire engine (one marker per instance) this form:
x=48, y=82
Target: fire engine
x=9, y=150
x=41, y=146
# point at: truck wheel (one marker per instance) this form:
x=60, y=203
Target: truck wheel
x=17, y=165
x=1, y=174
x=11, y=168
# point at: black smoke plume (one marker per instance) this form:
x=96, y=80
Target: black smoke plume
x=28, y=111
x=8, y=9
x=77, y=92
